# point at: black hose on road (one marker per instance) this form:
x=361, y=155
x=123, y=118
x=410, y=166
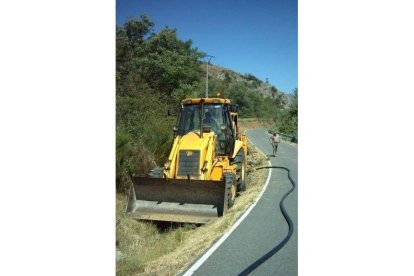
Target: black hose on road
x=279, y=246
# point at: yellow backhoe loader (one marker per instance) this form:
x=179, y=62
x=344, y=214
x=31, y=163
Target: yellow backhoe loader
x=204, y=171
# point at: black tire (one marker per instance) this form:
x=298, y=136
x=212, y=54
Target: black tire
x=240, y=161
x=231, y=189
x=157, y=172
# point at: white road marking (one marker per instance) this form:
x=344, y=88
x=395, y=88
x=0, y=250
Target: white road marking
x=200, y=261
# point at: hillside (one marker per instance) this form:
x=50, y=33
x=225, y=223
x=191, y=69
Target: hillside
x=254, y=84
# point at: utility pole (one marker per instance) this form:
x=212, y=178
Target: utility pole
x=210, y=57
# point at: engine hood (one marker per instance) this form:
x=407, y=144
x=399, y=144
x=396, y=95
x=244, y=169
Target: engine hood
x=191, y=154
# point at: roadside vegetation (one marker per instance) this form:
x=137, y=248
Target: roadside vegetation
x=154, y=72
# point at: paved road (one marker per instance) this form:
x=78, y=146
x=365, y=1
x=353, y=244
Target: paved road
x=265, y=226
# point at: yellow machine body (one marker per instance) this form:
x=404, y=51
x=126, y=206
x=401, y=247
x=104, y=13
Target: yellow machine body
x=198, y=181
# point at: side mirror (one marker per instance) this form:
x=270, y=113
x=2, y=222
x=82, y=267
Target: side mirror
x=175, y=129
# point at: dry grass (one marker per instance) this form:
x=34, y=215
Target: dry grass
x=167, y=249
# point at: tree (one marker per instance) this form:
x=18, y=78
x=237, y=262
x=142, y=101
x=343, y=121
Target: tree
x=274, y=91
x=137, y=29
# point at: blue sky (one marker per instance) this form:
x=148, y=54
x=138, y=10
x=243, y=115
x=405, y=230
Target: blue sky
x=256, y=36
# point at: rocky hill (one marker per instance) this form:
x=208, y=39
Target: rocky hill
x=228, y=77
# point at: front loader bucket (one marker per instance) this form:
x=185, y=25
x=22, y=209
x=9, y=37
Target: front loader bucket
x=193, y=201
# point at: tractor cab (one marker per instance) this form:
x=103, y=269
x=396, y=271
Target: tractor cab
x=212, y=115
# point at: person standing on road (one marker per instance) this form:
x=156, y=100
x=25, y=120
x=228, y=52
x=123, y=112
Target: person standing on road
x=275, y=140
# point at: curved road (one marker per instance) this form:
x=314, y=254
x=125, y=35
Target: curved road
x=265, y=226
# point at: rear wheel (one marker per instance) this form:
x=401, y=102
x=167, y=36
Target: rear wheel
x=230, y=188
x=240, y=161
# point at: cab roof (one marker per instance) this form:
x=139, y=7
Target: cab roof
x=206, y=100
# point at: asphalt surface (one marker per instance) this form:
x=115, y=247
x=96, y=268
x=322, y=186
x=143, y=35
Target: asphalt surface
x=265, y=226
